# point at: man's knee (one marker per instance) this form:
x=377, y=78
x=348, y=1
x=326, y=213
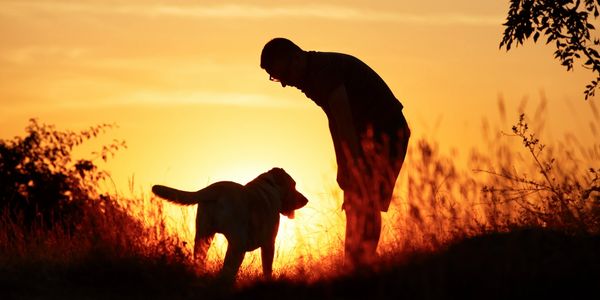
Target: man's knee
x=363, y=223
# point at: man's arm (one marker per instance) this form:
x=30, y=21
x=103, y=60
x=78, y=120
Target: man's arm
x=343, y=121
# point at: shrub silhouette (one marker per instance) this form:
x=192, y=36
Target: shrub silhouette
x=39, y=181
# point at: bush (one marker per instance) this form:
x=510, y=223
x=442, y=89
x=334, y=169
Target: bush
x=39, y=181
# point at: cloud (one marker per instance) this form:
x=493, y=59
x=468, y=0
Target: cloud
x=323, y=12
x=158, y=98
x=253, y=11
x=149, y=99
x=30, y=54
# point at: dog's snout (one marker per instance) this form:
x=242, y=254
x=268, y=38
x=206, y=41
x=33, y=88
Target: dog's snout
x=301, y=200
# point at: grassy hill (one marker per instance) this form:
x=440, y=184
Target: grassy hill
x=530, y=263
x=523, y=263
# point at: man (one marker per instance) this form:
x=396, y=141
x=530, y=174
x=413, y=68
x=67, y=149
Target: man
x=369, y=132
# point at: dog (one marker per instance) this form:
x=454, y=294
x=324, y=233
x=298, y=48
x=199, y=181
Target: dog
x=247, y=215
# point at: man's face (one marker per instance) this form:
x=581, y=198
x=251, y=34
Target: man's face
x=280, y=71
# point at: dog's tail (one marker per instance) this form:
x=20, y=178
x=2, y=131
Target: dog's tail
x=175, y=195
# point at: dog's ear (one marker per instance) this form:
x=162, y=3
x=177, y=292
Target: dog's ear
x=282, y=178
x=295, y=200
x=291, y=199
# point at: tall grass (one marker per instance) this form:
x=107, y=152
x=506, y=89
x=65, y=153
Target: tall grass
x=518, y=182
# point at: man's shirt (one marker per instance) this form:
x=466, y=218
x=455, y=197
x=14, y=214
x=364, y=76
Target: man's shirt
x=372, y=104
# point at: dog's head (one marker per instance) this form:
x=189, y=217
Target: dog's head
x=291, y=199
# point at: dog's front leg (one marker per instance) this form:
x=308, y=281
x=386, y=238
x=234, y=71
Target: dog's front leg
x=267, y=252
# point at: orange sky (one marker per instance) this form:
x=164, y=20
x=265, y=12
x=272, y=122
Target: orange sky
x=183, y=82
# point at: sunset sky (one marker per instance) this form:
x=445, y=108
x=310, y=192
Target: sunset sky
x=181, y=78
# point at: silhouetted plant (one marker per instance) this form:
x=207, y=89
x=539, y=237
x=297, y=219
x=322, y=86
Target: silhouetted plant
x=40, y=182
x=441, y=203
x=565, y=22
x=560, y=201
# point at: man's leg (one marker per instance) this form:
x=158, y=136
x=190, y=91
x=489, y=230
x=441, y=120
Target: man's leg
x=371, y=192
x=363, y=229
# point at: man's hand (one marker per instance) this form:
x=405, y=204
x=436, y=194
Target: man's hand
x=343, y=121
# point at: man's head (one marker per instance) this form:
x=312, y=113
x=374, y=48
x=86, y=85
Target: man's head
x=282, y=59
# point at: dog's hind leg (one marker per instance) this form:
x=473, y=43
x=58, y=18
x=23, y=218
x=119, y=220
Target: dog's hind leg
x=201, y=245
x=204, y=236
x=233, y=261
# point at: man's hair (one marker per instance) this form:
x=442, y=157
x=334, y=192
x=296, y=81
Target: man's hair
x=277, y=49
